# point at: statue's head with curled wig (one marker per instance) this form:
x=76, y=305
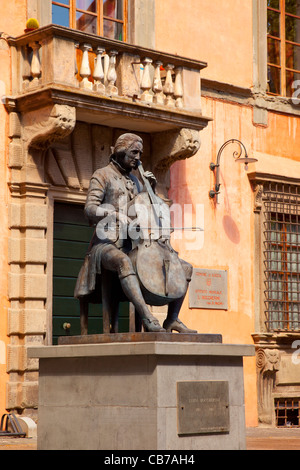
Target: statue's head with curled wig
x=124, y=143
x=126, y=146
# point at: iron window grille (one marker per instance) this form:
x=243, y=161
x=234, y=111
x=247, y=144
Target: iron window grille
x=282, y=256
x=287, y=412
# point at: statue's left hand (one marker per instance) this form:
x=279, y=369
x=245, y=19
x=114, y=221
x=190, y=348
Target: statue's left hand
x=150, y=176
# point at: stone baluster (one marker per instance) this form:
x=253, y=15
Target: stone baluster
x=178, y=88
x=35, y=69
x=105, y=67
x=76, y=45
x=112, y=74
x=98, y=74
x=146, y=82
x=85, y=69
x=159, y=97
x=169, y=86
x=26, y=73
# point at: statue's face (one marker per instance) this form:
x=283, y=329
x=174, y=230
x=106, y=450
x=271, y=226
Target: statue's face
x=132, y=156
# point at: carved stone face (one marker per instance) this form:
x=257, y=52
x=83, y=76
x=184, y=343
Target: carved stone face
x=132, y=156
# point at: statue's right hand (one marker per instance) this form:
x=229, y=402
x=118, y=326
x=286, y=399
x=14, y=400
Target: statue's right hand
x=109, y=215
x=122, y=218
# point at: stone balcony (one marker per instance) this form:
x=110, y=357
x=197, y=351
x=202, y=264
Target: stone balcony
x=108, y=82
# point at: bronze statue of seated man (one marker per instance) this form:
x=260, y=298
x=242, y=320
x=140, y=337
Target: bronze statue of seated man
x=111, y=190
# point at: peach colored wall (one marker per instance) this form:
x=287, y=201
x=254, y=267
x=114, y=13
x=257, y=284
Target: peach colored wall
x=13, y=17
x=281, y=137
x=218, y=32
x=228, y=239
x=227, y=242
x=12, y=22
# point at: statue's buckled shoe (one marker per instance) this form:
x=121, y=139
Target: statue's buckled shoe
x=152, y=325
x=178, y=326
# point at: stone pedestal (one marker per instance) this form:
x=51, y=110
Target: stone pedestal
x=150, y=395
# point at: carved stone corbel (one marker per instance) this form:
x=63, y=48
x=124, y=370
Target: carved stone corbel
x=44, y=126
x=258, y=193
x=169, y=147
x=267, y=364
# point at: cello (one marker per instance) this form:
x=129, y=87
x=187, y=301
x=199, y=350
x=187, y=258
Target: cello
x=157, y=265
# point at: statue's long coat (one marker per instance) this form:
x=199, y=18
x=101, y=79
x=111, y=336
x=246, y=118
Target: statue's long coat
x=108, y=186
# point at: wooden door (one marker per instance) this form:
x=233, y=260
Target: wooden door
x=71, y=239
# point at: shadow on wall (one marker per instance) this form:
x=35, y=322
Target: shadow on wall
x=229, y=225
x=231, y=229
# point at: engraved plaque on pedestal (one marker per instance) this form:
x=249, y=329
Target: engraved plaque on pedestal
x=208, y=289
x=202, y=407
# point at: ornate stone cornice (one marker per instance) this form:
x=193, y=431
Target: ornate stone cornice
x=258, y=177
x=115, y=110
x=275, y=340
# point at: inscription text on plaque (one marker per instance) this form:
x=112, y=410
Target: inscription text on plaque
x=202, y=407
x=208, y=289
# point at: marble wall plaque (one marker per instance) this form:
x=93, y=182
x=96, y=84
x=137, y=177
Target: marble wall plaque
x=208, y=289
x=202, y=407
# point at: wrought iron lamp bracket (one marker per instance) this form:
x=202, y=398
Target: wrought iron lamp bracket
x=239, y=156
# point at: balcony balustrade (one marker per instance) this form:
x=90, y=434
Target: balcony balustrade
x=78, y=65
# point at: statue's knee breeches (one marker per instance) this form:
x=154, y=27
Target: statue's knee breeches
x=188, y=269
x=115, y=260
x=125, y=267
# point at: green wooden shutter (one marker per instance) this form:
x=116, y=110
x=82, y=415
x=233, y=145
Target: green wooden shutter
x=71, y=239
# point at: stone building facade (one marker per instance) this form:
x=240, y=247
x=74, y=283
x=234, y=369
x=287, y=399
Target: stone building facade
x=67, y=94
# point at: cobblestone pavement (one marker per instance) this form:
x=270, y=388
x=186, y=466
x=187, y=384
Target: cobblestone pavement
x=257, y=439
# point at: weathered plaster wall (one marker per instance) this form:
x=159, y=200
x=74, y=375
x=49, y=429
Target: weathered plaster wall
x=219, y=33
x=227, y=242
x=222, y=34
x=228, y=239
x=13, y=17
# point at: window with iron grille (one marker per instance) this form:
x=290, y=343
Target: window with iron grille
x=282, y=256
x=287, y=412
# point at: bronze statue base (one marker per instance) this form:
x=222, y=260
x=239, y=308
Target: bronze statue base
x=140, y=337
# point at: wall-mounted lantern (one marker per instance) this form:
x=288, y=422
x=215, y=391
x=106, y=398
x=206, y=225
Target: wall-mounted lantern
x=240, y=156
